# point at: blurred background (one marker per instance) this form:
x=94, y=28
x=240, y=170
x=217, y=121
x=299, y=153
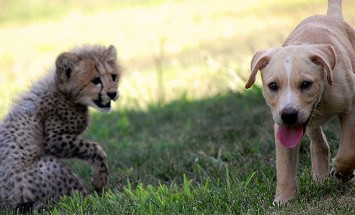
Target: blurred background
x=169, y=49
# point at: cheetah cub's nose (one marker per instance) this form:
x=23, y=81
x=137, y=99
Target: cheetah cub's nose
x=113, y=95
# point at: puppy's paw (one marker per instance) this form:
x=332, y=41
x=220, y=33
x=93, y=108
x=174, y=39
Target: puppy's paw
x=283, y=197
x=343, y=177
x=280, y=203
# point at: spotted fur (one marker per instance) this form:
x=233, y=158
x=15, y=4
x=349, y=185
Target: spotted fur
x=45, y=124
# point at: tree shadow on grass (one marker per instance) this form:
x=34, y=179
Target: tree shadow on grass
x=224, y=144
x=226, y=137
x=197, y=138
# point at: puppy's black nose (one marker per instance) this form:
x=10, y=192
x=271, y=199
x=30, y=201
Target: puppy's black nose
x=289, y=116
x=112, y=95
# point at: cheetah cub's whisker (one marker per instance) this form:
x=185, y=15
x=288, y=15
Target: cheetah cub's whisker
x=45, y=124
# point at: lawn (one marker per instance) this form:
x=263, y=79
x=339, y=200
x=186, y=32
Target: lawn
x=185, y=137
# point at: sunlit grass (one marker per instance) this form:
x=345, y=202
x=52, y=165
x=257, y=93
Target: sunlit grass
x=27, y=11
x=206, y=45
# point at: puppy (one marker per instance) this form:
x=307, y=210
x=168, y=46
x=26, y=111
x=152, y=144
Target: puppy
x=306, y=82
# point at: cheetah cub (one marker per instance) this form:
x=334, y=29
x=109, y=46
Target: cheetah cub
x=45, y=124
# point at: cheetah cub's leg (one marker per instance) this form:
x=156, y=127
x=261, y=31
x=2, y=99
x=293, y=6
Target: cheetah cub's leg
x=45, y=182
x=54, y=179
x=71, y=146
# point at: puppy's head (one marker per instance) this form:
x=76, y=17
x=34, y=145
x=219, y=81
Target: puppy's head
x=294, y=79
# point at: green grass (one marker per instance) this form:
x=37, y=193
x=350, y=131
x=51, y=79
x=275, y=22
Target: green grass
x=184, y=138
x=210, y=156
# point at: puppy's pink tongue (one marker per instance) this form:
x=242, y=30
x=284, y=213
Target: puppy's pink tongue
x=289, y=136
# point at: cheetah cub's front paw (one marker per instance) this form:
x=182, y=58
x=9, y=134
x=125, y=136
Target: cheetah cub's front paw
x=100, y=182
x=100, y=178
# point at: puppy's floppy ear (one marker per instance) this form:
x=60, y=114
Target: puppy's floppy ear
x=325, y=56
x=259, y=61
x=65, y=64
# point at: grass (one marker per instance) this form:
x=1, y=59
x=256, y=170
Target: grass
x=29, y=11
x=184, y=138
x=204, y=45
x=200, y=157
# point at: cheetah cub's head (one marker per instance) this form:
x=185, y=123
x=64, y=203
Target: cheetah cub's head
x=89, y=75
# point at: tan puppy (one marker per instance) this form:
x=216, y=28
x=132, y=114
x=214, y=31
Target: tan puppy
x=306, y=82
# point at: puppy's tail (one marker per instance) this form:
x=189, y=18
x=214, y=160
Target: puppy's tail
x=334, y=9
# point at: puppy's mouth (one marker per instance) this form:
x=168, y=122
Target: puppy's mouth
x=290, y=136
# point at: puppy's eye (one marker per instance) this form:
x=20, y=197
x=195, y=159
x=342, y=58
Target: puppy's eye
x=273, y=86
x=114, y=77
x=96, y=81
x=306, y=85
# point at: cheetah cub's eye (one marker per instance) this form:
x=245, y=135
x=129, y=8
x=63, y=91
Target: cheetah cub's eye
x=114, y=77
x=96, y=81
x=111, y=62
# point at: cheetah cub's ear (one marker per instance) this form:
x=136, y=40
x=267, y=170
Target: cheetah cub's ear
x=65, y=64
x=111, y=55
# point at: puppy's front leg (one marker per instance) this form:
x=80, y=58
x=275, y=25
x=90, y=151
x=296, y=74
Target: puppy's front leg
x=286, y=170
x=344, y=162
x=319, y=153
